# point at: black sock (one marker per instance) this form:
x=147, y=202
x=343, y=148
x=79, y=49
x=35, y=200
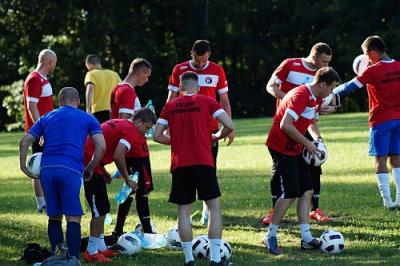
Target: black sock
x=55, y=233
x=143, y=211
x=73, y=238
x=122, y=213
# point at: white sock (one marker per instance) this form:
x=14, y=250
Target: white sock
x=40, y=202
x=187, y=250
x=92, y=245
x=396, y=177
x=384, y=187
x=101, y=245
x=272, y=230
x=305, y=231
x=215, y=248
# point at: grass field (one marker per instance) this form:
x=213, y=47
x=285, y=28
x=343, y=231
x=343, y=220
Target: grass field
x=349, y=193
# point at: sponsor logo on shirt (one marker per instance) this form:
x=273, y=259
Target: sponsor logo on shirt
x=208, y=80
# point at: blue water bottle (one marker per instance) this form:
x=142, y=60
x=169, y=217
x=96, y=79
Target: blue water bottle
x=125, y=190
x=149, y=133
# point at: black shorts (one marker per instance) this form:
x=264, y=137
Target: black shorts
x=96, y=195
x=102, y=116
x=142, y=165
x=293, y=173
x=189, y=179
x=36, y=147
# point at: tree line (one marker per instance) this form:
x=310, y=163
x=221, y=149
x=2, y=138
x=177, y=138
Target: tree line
x=249, y=38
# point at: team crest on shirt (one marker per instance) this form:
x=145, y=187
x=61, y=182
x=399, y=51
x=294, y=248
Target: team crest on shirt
x=183, y=67
x=208, y=80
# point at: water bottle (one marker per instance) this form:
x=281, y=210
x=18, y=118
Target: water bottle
x=116, y=175
x=108, y=219
x=149, y=133
x=125, y=190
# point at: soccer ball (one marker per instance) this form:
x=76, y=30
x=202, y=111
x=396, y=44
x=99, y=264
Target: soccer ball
x=128, y=243
x=200, y=245
x=33, y=164
x=360, y=63
x=226, y=250
x=319, y=157
x=332, y=242
x=139, y=228
x=173, y=239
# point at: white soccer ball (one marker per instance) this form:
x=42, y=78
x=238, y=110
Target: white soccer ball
x=173, y=239
x=317, y=158
x=332, y=242
x=129, y=244
x=199, y=246
x=139, y=228
x=226, y=250
x=360, y=63
x=33, y=164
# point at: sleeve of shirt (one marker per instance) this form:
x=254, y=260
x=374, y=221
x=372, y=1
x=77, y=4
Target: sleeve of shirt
x=173, y=82
x=222, y=86
x=366, y=77
x=280, y=74
x=37, y=130
x=214, y=107
x=164, y=116
x=296, y=105
x=88, y=78
x=34, y=89
x=125, y=99
x=93, y=126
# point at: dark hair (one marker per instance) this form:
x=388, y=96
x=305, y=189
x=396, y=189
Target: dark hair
x=321, y=48
x=145, y=115
x=93, y=59
x=327, y=75
x=189, y=75
x=374, y=43
x=68, y=94
x=139, y=63
x=200, y=47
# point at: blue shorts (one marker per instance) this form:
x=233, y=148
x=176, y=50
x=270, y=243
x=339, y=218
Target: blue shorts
x=384, y=139
x=61, y=187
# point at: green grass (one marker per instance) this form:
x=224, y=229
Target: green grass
x=349, y=192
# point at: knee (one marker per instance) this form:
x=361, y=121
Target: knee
x=76, y=219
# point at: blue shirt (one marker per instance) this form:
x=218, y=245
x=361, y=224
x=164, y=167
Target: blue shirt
x=64, y=130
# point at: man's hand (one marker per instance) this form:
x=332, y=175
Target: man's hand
x=131, y=184
x=327, y=109
x=230, y=137
x=88, y=173
x=311, y=148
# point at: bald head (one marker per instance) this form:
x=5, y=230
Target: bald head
x=68, y=96
x=47, y=60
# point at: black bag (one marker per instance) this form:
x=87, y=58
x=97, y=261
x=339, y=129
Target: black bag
x=33, y=253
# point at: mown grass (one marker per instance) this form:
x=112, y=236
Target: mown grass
x=349, y=193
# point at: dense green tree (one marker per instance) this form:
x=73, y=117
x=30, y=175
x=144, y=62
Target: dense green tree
x=249, y=38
